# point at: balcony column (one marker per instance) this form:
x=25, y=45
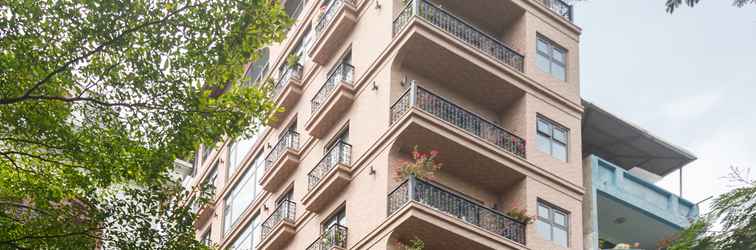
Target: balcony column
x=411, y=187
x=413, y=92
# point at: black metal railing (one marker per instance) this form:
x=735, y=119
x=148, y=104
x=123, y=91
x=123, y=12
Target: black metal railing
x=285, y=211
x=329, y=14
x=446, y=110
x=290, y=140
x=343, y=73
x=340, y=153
x=428, y=194
x=559, y=7
x=291, y=72
x=334, y=236
x=460, y=29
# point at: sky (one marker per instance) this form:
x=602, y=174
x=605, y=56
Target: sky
x=688, y=77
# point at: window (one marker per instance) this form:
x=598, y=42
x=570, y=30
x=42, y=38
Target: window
x=293, y=8
x=236, y=152
x=553, y=224
x=342, y=136
x=250, y=236
x=206, y=236
x=552, y=138
x=206, y=151
x=212, y=177
x=258, y=69
x=242, y=195
x=338, y=218
x=550, y=58
x=288, y=196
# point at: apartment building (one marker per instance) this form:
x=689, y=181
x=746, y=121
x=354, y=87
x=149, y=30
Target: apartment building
x=492, y=85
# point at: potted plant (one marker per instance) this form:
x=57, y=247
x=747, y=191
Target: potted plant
x=292, y=60
x=423, y=165
x=520, y=215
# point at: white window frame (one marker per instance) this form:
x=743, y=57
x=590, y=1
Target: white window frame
x=549, y=219
x=549, y=56
x=553, y=126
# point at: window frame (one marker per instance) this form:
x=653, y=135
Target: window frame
x=549, y=55
x=339, y=215
x=552, y=210
x=554, y=126
x=233, y=194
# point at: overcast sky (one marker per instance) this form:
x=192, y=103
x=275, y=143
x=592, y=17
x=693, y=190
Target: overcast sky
x=688, y=77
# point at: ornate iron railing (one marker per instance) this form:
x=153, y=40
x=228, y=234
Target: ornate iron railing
x=327, y=16
x=446, y=201
x=559, y=7
x=446, y=110
x=291, y=72
x=341, y=153
x=285, y=211
x=290, y=140
x=344, y=72
x=334, y=236
x=460, y=29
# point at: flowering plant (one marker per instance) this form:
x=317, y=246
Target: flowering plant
x=423, y=165
x=520, y=214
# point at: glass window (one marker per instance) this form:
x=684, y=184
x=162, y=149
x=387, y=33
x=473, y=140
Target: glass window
x=551, y=138
x=550, y=58
x=236, y=152
x=242, y=195
x=553, y=224
x=249, y=237
x=337, y=218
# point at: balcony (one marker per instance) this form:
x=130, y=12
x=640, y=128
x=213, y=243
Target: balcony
x=458, y=208
x=631, y=209
x=559, y=7
x=279, y=228
x=333, y=238
x=461, y=30
x=281, y=162
x=327, y=179
x=332, y=29
x=333, y=98
x=419, y=98
x=287, y=91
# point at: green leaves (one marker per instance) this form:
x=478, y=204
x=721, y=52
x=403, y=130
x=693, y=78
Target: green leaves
x=100, y=93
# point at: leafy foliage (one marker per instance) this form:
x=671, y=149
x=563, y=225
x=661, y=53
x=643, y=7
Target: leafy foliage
x=423, y=165
x=733, y=213
x=672, y=5
x=99, y=94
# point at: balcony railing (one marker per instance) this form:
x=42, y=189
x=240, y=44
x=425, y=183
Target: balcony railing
x=437, y=106
x=286, y=211
x=344, y=72
x=460, y=29
x=291, y=72
x=290, y=140
x=341, y=153
x=335, y=236
x=438, y=198
x=559, y=7
x=327, y=17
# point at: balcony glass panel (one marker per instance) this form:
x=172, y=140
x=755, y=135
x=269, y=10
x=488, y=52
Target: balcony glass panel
x=456, y=206
x=343, y=73
x=460, y=29
x=341, y=153
x=445, y=110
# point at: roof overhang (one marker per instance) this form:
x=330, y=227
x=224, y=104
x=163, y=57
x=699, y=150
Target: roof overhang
x=627, y=145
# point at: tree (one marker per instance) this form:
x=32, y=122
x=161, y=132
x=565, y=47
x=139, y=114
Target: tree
x=672, y=5
x=734, y=216
x=96, y=95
